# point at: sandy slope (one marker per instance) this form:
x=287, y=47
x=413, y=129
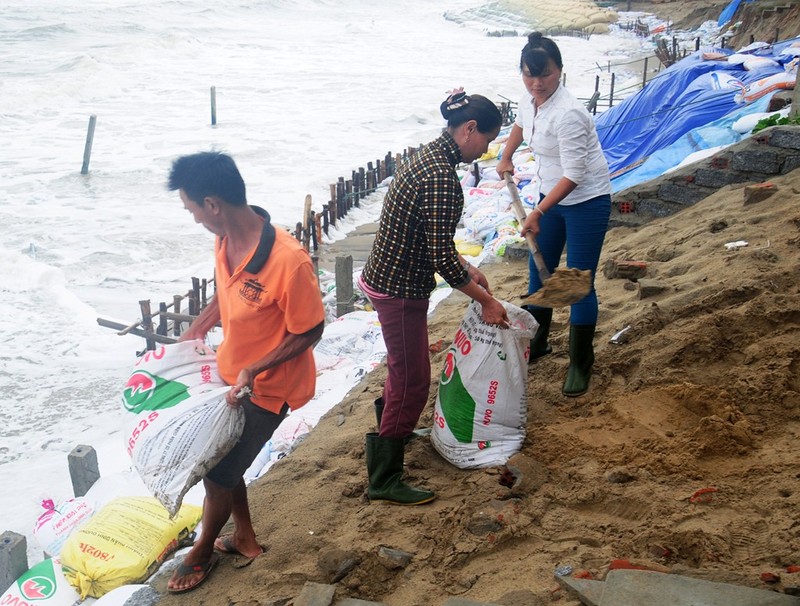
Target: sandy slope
x=705, y=393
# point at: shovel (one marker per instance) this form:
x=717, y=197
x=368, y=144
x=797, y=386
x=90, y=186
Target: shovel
x=564, y=287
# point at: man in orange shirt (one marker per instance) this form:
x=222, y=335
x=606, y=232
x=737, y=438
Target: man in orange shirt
x=268, y=301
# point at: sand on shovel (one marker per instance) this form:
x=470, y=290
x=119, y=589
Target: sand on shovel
x=565, y=286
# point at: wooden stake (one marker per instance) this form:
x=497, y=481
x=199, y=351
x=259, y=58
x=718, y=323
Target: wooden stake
x=213, y=106
x=87, y=149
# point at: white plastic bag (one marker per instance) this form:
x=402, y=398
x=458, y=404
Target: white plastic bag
x=481, y=407
x=180, y=425
x=58, y=520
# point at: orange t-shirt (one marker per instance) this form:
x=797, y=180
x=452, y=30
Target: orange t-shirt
x=259, y=309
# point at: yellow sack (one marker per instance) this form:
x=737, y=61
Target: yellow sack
x=125, y=542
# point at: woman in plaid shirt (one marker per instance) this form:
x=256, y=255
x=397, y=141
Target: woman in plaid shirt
x=415, y=240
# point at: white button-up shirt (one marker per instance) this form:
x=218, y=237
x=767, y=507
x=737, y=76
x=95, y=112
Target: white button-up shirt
x=564, y=140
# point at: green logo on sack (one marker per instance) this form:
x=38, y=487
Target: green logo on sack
x=39, y=583
x=458, y=407
x=145, y=391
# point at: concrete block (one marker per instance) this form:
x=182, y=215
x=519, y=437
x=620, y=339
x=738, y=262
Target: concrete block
x=315, y=594
x=656, y=208
x=83, y=469
x=757, y=161
x=13, y=558
x=588, y=591
x=683, y=194
x=637, y=587
x=717, y=178
x=465, y=602
x=785, y=136
x=790, y=163
x=516, y=252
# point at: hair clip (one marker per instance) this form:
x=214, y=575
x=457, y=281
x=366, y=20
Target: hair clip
x=457, y=101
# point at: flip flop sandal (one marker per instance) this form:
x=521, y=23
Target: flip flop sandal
x=225, y=544
x=185, y=570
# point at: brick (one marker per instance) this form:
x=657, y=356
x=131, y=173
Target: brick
x=625, y=269
x=758, y=192
x=766, y=162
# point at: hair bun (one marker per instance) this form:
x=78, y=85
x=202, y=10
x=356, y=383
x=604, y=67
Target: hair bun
x=454, y=102
x=535, y=38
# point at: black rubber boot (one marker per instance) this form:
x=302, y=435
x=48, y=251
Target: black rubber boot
x=581, y=358
x=385, y=468
x=539, y=345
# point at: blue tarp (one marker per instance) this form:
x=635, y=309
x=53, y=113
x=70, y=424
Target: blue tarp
x=689, y=94
x=728, y=12
x=717, y=133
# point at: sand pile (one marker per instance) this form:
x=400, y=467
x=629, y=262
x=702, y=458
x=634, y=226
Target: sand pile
x=681, y=456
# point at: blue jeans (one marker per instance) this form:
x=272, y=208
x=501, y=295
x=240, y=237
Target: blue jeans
x=582, y=228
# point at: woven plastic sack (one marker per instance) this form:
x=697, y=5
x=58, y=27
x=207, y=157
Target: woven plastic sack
x=180, y=425
x=481, y=407
x=125, y=542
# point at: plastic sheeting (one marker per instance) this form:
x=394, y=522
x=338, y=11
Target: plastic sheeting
x=713, y=135
x=689, y=94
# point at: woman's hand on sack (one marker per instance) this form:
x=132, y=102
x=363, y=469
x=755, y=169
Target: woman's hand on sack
x=493, y=312
x=242, y=387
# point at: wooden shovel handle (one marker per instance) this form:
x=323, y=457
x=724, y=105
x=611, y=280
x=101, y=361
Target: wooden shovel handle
x=519, y=211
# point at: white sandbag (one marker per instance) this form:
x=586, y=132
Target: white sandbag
x=180, y=425
x=43, y=585
x=54, y=526
x=481, y=407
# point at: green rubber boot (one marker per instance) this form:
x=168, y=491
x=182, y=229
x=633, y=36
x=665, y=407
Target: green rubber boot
x=385, y=468
x=581, y=358
x=539, y=345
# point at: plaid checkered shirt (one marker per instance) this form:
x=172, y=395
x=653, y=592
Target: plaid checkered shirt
x=419, y=218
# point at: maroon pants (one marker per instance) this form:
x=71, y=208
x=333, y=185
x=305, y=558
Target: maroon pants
x=404, y=324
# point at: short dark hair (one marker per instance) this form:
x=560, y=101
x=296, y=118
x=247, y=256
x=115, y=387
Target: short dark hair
x=460, y=108
x=537, y=52
x=207, y=174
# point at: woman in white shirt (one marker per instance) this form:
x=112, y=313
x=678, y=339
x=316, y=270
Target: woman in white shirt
x=575, y=199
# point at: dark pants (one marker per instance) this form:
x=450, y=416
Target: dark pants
x=259, y=425
x=404, y=324
x=582, y=228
